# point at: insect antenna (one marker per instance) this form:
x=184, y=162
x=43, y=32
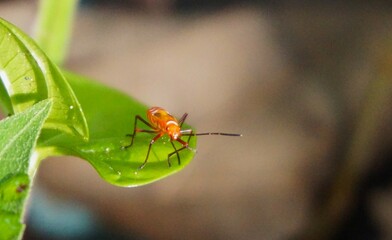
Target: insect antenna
x=213, y=133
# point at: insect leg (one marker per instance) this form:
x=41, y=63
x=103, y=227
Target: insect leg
x=182, y=119
x=176, y=152
x=189, y=133
x=149, y=149
x=185, y=145
x=135, y=130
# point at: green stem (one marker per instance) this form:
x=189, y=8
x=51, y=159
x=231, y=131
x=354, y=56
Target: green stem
x=53, y=27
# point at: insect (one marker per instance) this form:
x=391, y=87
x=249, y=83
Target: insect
x=161, y=122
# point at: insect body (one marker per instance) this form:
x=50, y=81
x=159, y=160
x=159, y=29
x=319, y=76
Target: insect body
x=161, y=122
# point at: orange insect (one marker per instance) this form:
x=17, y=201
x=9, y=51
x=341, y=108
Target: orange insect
x=161, y=123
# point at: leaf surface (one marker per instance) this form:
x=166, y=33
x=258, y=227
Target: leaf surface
x=18, y=136
x=28, y=76
x=110, y=115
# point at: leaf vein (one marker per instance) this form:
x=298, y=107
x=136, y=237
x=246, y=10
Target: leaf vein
x=13, y=139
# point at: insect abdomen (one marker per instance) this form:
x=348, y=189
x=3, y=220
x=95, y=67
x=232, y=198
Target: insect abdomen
x=159, y=118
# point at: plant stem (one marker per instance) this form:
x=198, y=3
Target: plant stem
x=53, y=27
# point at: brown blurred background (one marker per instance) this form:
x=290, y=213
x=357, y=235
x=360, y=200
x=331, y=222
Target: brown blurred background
x=308, y=85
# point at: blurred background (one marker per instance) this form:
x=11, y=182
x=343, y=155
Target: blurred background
x=308, y=85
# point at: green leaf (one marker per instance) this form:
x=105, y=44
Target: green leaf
x=13, y=193
x=110, y=115
x=18, y=136
x=28, y=76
